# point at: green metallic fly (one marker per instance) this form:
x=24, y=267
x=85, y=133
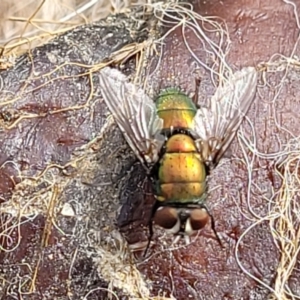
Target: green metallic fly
x=177, y=142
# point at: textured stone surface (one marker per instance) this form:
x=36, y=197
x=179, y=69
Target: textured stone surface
x=58, y=146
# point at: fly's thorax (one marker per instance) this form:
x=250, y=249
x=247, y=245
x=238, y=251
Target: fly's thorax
x=176, y=109
x=181, y=172
x=181, y=192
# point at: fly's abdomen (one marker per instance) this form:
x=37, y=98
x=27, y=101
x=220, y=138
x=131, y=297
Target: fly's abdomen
x=181, y=171
x=181, y=168
x=176, y=109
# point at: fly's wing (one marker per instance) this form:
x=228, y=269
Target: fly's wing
x=216, y=125
x=135, y=114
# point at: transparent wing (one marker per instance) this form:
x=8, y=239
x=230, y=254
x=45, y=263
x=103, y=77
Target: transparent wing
x=216, y=125
x=135, y=114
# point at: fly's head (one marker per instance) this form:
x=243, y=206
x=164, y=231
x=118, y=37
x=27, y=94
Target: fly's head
x=182, y=221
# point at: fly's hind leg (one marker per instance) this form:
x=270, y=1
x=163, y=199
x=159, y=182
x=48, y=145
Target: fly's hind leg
x=197, y=78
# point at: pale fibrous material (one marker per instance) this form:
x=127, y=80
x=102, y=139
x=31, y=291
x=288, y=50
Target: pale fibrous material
x=213, y=127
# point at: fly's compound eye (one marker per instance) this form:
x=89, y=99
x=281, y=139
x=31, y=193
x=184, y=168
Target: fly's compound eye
x=197, y=220
x=167, y=217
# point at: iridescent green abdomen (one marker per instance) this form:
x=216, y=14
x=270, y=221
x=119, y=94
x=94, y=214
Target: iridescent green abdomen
x=181, y=175
x=176, y=109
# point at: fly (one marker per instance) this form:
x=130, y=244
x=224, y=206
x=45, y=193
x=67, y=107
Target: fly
x=177, y=142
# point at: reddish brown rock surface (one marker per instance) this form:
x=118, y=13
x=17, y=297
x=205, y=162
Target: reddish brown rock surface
x=64, y=165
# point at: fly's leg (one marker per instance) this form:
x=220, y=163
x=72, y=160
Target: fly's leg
x=150, y=226
x=149, y=238
x=213, y=226
x=197, y=85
